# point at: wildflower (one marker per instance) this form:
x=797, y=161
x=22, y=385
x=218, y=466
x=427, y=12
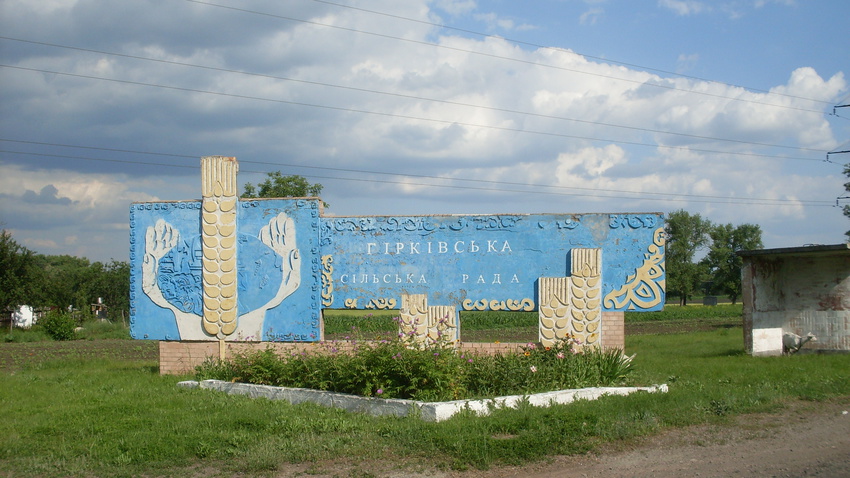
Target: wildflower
x=497, y=342
x=380, y=391
x=470, y=360
x=533, y=369
x=548, y=348
x=436, y=354
x=527, y=353
x=560, y=355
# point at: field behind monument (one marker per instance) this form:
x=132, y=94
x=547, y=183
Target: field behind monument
x=100, y=408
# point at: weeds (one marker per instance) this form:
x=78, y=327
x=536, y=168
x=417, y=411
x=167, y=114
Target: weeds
x=400, y=368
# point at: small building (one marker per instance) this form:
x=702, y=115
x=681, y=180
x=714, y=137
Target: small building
x=796, y=292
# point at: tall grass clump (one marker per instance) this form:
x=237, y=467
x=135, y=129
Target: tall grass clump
x=97, y=329
x=400, y=368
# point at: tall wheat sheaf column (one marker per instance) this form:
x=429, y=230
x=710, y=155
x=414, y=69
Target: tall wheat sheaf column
x=218, y=233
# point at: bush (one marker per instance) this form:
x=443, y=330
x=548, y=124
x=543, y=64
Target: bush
x=58, y=325
x=394, y=368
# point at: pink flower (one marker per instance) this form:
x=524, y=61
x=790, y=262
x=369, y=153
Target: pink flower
x=380, y=391
x=560, y=355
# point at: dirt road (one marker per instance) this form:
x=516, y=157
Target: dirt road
x=807, y=439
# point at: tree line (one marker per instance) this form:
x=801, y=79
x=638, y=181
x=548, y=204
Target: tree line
x=718, y=271
x=62, y=281
x=45, y=281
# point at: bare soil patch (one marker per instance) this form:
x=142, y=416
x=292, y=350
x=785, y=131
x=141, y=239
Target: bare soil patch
x=14, y=356
x=802, y=439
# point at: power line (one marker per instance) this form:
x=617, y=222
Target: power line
x=559, y=190
x=490, y=55
x=569, y=52
x=409, y=117
x=414, y=97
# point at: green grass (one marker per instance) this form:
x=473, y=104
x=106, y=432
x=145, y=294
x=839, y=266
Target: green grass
x=91, y=329
x=86, y=416
x=340, y=322
x=677, y=312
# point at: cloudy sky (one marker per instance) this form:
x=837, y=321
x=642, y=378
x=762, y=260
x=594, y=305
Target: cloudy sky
x=723, y=108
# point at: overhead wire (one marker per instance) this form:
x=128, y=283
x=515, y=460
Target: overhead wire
x=491, y=55
x=566, y=51
x=669, y=195
x=373, y=172
x=586, y=192
x=410, y=117
x=413, y=97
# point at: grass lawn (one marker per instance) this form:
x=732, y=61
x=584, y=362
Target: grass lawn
x=71, y=412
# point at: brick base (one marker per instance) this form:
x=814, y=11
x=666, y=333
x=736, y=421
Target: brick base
x=613, y=335
x=182, y=357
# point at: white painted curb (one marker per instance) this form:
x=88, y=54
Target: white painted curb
x=428, y=411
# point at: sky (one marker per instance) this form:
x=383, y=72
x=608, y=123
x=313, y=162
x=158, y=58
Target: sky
x=723, y=108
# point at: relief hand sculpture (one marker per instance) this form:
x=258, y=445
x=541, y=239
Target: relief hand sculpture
x=278, y=235
x=160, y=239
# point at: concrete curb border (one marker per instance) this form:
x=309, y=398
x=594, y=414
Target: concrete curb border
x=428, y=411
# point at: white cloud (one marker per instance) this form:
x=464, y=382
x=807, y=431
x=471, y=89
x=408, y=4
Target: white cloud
x=457, y=7
x=587, y=125
x=496, y=22
x=683, y=7
x=590, y=17
x=686, y=62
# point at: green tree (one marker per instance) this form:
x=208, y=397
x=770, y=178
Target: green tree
x=113, y=285
x=277, y=185
x=67, y=281
x=16, y=267
x=686, y=235
x=723, y=262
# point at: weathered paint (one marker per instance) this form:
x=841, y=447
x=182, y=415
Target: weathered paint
x=262, y=269
x=798, y=291
x=482, y=261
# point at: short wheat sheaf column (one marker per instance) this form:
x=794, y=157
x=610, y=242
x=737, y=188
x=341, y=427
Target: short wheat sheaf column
x=218, y=233
x=424, y=325
x=571, y=306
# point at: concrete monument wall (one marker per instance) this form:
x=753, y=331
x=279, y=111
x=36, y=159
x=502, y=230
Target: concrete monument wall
x=234, y=270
